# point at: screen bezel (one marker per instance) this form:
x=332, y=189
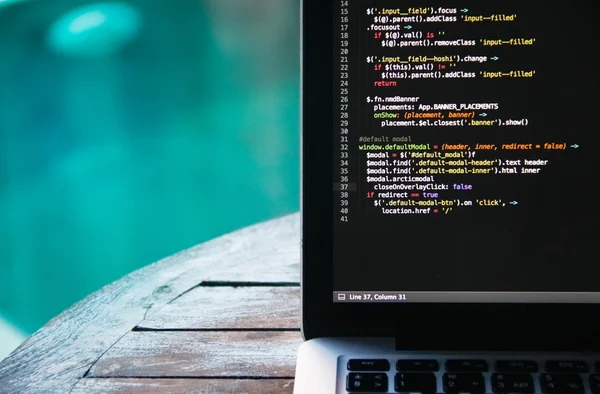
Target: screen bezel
x=321, y=317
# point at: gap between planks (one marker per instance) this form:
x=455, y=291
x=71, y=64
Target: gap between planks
x=235, y=284
x=247, y=284
x=232, y=377
x=222, y=283
x=146, y=329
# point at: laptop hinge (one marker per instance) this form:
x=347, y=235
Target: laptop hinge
x=471, y=338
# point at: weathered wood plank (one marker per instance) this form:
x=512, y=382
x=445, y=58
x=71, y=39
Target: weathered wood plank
x=189, y=386
x=201, y=354
x=53, y=358
x=227, y=307
x=253, y=258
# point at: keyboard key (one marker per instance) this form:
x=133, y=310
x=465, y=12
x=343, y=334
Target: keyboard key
x=512, y=383
x=595, y=383
x=561, y=383
x=567, y=366
x=418, y=365
x=466, y=366
x=516, y=366
x=464, y=383
x=368, y=365
x=419, y=382
x=367, y=382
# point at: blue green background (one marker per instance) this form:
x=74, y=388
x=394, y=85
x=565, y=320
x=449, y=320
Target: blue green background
x=170, y=123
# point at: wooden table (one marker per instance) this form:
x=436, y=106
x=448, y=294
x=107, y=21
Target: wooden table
x=222, y=317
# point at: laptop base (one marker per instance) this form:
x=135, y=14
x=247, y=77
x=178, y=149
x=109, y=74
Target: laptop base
x=373, y=365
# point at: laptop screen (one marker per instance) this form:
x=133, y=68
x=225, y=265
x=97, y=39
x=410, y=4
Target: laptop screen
x=465, y=160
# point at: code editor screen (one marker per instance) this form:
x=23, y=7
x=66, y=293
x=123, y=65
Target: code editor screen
x=465, y=152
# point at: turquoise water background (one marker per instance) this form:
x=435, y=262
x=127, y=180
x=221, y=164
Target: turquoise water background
x=160, y=125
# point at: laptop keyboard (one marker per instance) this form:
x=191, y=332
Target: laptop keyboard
x=472, y=376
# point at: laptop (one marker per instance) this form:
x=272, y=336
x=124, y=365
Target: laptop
x=449, y=221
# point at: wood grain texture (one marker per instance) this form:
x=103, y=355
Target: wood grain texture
x=188, y=386
x=55, y=357
x=201, y=354
x=219, y=307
